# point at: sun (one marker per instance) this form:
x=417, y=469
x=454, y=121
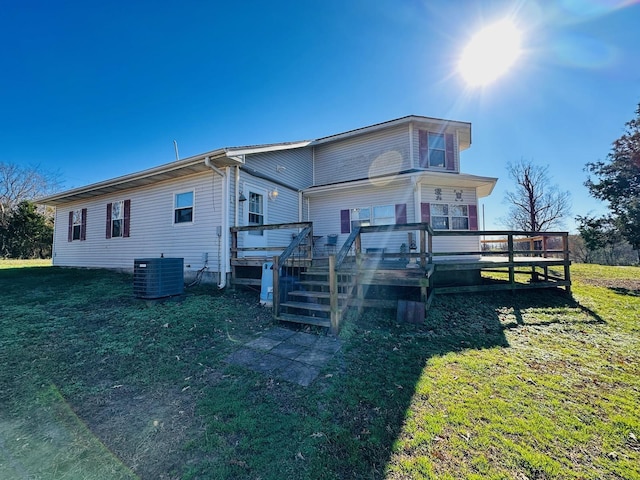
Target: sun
x=490, y=53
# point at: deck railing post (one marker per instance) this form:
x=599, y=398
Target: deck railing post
x=333, y=294
x=512, y=275
x=234, y=256
x=567, y=261
x=424, y=247
x=276, y=287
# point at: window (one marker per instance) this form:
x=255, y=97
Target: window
x=256, y=212
x=117, y=215
x=77, y=225
x=118, y=219
x=449, y=217
x=436, y=150
x=378, y=215
x=384, y=215
x=459, y=217
x=183, y=208
x=440, y=216
x=360, y=217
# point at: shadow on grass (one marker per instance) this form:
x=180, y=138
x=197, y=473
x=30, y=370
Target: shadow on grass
x=625, y=291
x=384, y=362
x=134, y=373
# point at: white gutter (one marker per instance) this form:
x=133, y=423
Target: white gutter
x=224, y=258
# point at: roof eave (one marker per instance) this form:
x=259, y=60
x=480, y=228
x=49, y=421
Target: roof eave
x=483, y=185
x=167, y=171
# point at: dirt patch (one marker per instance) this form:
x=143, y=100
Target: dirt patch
x=147, y=430
x=617, y=284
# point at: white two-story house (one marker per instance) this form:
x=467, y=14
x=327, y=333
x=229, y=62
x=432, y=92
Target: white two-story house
x=401, y=171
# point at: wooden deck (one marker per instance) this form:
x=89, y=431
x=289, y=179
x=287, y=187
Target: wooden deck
x=318, y=290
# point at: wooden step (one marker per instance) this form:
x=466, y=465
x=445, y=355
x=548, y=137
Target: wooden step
x=316, y=307
x=320, y=322
x=324, y=295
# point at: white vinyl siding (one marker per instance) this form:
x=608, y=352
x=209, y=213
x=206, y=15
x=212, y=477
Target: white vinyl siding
x=370, y=155
x=291, y=167
x=325, y=210
x=152, y=232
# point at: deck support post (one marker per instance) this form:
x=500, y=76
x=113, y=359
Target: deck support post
x=276, y=287
x=333, y=295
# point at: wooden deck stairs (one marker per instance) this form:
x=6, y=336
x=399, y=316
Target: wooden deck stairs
x=309, y=302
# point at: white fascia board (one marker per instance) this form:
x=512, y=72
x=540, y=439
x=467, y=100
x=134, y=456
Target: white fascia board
x=235, y=152
x=483, y=185
x=392, y=123
x=132, y=178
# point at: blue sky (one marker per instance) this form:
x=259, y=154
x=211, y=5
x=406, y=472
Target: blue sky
x=95, y=90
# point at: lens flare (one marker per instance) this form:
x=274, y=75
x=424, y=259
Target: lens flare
x=490, y=53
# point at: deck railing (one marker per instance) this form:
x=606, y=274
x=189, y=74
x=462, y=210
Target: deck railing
x=508, y=249
x=294, y=244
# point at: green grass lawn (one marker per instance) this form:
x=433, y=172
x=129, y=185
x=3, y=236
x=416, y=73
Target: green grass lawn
x=95, y=384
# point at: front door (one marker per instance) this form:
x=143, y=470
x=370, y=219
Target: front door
x=255, y=213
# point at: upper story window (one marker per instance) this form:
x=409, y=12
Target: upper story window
x=183, y=207
x=436, y=150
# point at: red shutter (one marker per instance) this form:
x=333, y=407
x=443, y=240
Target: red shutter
x=423, y=140
x=449, y=157
x=83, y=225
x=108, y=231
x=70, y=237
x=345, y=221
x=401, y=214
x=127, y=216
x=473, y=217
x=425, y=213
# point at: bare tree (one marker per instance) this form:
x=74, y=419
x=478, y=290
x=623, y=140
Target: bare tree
x=19, y=218
x=536, y=205
x=18, y=184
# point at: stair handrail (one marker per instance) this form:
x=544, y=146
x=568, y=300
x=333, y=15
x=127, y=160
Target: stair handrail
x=295, y=243
x=342, y=254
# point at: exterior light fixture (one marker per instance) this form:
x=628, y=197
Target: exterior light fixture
x=273, y=194
x=242, y=198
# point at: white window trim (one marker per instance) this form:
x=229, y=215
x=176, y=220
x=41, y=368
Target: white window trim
x=174, y=208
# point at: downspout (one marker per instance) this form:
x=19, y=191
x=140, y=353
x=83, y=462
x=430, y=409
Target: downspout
x=237, y=205
x=225, y=222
